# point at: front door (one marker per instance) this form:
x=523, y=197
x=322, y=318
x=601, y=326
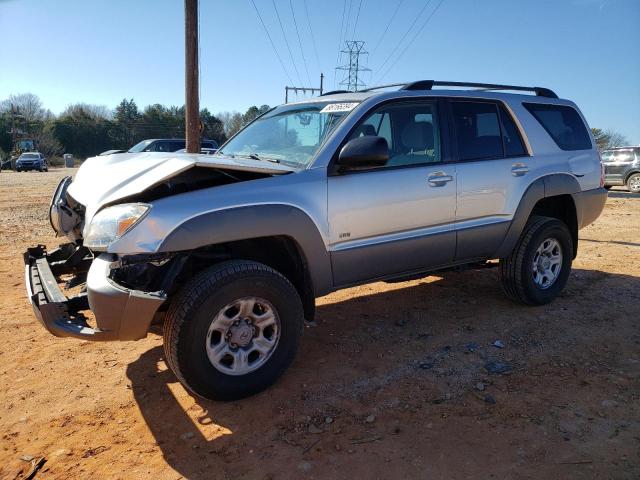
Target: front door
x=398, y=218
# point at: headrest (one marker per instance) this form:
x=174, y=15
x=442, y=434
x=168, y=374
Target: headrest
x=418, y=136
x=365, y=130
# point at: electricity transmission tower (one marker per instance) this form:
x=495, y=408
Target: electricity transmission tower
x=353, y=80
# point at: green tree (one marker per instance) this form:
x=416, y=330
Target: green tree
x=254, y=112
x=5, y=132
x=126, y=116
x=212, y=127
x=83, y=130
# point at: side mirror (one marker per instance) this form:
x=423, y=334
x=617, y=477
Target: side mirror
x=363, y=152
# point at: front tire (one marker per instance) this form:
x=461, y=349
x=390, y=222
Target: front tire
x=633, y=183
x=232, y=330
x=539, y=266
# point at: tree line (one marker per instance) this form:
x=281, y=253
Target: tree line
x=85, y=130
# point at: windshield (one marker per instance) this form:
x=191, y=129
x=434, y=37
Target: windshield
x=289, y=134
x=139, y=147
x=617, y=155
x=29, y=156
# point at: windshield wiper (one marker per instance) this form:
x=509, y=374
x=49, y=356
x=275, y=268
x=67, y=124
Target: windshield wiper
x=255, y=156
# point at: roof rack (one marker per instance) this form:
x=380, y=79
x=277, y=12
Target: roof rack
x=429, y=84
x=335, y=92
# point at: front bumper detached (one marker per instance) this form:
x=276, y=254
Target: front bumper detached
x=120, y=313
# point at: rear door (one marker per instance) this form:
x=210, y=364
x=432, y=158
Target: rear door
x=397, y=218
x=493, y=173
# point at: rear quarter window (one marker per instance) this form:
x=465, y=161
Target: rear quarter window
x=563, y=124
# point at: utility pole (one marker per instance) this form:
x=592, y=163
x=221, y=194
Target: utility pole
x=303, y=89
x=192, y=100
x=353, y=80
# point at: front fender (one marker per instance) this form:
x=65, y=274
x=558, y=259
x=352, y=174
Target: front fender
x=256, y=221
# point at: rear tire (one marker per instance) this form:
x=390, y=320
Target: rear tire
x=215, y=339
x=539, y=266
x=633, y=183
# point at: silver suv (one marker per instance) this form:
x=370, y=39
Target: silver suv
x=231, y=250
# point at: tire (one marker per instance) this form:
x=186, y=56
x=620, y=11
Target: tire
x=633, y=183
x=191, y=335
x=607, y=187
x=521, y=280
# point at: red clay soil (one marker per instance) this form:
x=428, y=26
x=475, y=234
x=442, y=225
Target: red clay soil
x=392, y=383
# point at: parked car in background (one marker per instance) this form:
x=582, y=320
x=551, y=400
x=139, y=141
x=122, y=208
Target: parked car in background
x=232, y=249
x=622, y=167
x=162, y=145
x=204, y=151
x=32, y=161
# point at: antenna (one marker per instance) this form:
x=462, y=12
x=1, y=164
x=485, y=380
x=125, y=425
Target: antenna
x=353, y=80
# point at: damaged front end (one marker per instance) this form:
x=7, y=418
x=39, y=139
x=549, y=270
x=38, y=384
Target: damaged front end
x=80, y=289
x=120, y=310
x=122, y=306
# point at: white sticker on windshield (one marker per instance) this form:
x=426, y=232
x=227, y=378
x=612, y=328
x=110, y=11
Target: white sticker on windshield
x=339, y=107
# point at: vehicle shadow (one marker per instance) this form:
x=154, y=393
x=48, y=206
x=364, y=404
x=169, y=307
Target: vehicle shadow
x=617, y=242
x=198, y=437
x=623, y=194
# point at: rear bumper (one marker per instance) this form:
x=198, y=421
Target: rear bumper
x=613, y=180
x=120, y=313
x=589, y=205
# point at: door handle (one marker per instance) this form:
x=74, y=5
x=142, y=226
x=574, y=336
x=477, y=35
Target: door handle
x=438, y=179
x=519, y=169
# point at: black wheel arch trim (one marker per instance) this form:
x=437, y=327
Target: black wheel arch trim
x=255, y=221
x=543, y=187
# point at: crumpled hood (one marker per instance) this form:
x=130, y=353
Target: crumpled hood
x=106, y=179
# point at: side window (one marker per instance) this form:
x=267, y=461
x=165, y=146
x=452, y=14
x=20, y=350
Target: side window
x=162, y=147
x=411, y=131
x=513, y=146
x=477, y=130
x=563, y=124
x=175, y=146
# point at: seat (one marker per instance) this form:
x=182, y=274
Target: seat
x=417, y=145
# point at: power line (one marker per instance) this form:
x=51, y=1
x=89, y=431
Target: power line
x=388, y=25
x=355, y=25
x=346, y=27
x=415, y=20
x=344, y=9
x=304, y=60
x=313, y=38
x=275, y=50
x=293, y=62
x=343, y=35
x=412, y=40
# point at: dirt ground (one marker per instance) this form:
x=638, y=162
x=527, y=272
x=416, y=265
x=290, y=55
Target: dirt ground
x=391, y=383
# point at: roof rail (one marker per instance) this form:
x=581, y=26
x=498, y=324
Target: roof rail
x=429, y=84
x=378, y=87
x=335, y=92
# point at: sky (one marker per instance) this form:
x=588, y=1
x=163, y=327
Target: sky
x=100, y=51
